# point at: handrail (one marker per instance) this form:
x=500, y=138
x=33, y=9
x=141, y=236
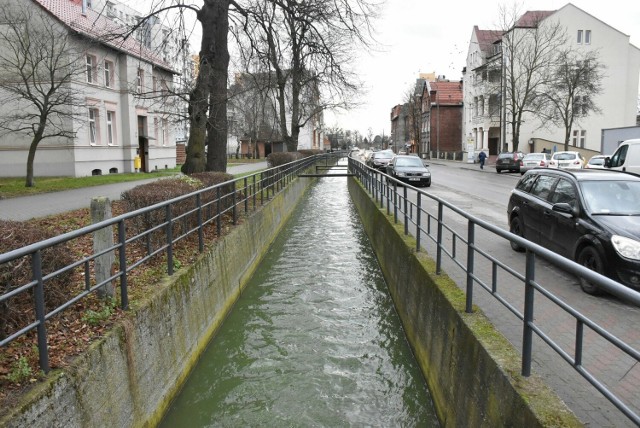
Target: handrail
x=384, y=188
x=242, y=197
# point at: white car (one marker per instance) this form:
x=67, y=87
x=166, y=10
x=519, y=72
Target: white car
x=535, y=160
x=596, y=162
x=568, y=160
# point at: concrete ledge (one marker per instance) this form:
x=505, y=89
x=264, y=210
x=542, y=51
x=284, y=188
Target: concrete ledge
x=129, y=377
x=471, y=369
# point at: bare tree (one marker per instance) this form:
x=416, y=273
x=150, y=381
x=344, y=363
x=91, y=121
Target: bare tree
x=39, y=62
x=529, y=46
x=413, y=101
x=305, y=46
x=569, y=97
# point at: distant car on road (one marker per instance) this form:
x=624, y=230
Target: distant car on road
x=567, y=160
x=590, y=216
x=509, y=161
x=409, y=169
x=596, y=162
x=535, y=160
x=380, y=160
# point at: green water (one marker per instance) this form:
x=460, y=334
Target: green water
x=314, y=341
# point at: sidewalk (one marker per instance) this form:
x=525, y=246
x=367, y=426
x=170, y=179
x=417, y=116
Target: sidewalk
x=44, y=204
x=488, y=167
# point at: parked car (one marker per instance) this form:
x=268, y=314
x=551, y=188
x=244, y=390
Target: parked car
x=570, y=160
x=626, y=157
x=589, y=216
x=380, y=160
x=409, y=169
x=596, y=162
x=535, y=160
x=509, y=161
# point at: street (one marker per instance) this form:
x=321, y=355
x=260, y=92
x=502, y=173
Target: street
x=485, y=194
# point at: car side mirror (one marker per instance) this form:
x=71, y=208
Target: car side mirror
x=607, y=162
x=565, y=208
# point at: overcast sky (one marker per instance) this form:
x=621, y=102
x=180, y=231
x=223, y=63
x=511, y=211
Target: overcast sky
x=421, y=36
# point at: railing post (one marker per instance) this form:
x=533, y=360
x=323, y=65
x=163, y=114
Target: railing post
x=218, y=213
x=406, y=210
x=527, y=331
x=439, y=240
x=246, y=197
x=233, y=202
x=122, y=256
x=253, y=191
x=471, y=239
x=200, y=231
x=169, y=232
x=43, y=351
x=418, y=219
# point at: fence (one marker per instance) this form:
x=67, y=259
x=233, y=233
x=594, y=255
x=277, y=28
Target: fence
x=207, y=207
x=434, y=227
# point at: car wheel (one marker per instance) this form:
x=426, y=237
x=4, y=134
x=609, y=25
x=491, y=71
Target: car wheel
x=428, y=184
x=590, y=258
x=516, y=228
x=498, y=171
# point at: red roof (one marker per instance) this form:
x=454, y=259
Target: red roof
x=448, y=93
x=98, y=27
x=531, y=18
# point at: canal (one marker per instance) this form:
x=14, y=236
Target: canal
x=314, y=340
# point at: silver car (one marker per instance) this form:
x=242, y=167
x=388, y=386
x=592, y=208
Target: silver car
x=535, y=160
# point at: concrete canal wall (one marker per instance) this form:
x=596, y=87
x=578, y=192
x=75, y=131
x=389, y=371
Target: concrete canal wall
x=128, y=378
x=472, y=371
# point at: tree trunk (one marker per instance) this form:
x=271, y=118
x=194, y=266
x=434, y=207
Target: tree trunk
x=217, y=26
x=30, y=182
x=199, y=97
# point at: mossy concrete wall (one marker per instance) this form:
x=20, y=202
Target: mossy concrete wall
x=472, y=371
x=129, y=377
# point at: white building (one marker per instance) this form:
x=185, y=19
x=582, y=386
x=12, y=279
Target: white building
x=124, y=115
x=484, y=107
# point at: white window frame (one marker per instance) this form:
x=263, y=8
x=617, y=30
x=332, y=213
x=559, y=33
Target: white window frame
x=111, y=128
x=580, y=37
x=90, y=67
x=140, y=80
x=94, y=135
x=587, y=37
x=108, y=73
x=583, y=138
x=165, y=131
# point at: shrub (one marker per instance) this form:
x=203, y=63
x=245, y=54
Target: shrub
x=281, y=158
x=18, y=311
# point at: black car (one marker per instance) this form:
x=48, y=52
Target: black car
x=509, y=161
x=409, y=169
x=590, y=216
x=379, y=160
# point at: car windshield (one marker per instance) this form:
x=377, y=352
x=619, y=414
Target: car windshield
x=564, y=156
x=596, y=161
x=534, y=156
x=612, y=197
x=383, y=155
x=505, y=155
x=410, y=161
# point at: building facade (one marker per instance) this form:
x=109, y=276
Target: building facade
x=485, y=96
x=123, y=123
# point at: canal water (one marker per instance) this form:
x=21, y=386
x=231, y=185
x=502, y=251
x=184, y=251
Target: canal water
x=314, y=340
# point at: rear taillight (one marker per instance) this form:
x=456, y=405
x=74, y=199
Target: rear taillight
x=541, y=163
x=577, y=162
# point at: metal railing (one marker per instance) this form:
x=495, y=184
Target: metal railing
x=440, y=230
x=207, y=207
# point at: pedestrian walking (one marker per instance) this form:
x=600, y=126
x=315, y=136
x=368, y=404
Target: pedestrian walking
x=482, y=157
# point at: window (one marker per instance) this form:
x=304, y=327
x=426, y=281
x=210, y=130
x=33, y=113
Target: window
x=564, y=193
x=542, y=186
x=587, y=37
x=140, y=81
x=94, y=137
x=583, y=138
x=108, y=74
x=154, y=79
x=91, y=69
x=579, y=37
x=111, y=128
x=156, y=125
x=165, y=132
x=574, y=138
